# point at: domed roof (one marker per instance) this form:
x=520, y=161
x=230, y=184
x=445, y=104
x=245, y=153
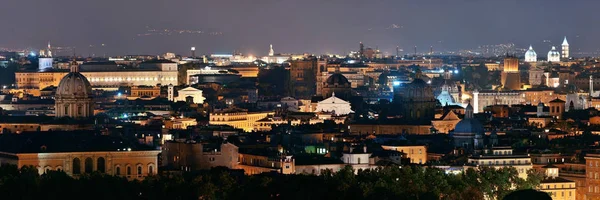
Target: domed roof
x=337, y=79
x=74, y=84
x=445, y=98
x=530, y=55
x=469, y=124
x=553, y=55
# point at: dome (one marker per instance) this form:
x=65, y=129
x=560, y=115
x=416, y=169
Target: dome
x=553, y=55
x=530, y=55
x=469, y=124
x=419, y=90
x=445, y=98
x=337, y=79
x=74, y=84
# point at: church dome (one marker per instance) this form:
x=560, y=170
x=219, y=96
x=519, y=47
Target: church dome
x=530, y=55
x=74, y=84
x=418, y=90
x=445, y=98
x=337, y=79
x=553, y=55
x=469, y=124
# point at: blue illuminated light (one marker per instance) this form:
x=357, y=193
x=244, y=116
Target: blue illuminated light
x=396, y=83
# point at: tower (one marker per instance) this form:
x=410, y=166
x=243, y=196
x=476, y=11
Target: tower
x=511, y=78
x=170, y=93
x=49, y=50
x=361, y=50
x=193, y=52
x=271, y=51
x=565, y=49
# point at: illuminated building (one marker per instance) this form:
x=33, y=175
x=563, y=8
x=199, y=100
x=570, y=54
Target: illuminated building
x=334, y=105
x=144, y=92
x=446, y=122
x=530, y=55
x=189, y=92
x=105, y=76
x=237, y=118
x=416, y=153
x=565, y=49
x=499, y=157
x=557, y=187
x=482, y=99
x=74, y=96
x=553, y=55
x=191, y=156
x=511, y=78
x=260, y=162
x=592, y=170
x=63, y=151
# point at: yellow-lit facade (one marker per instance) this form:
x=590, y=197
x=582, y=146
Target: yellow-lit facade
x=416, y=153
x=129, y=164
x=238, y=119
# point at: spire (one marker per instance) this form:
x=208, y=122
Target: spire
x=469, y=111
x=271, y=51
x=530, y=47
x=565, y=42
x=553, y=48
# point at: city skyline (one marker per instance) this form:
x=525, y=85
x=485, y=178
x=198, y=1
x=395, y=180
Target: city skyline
x=307, y=26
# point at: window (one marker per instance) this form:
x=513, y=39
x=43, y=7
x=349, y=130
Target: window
x=358, y=160
x=76, y=166
x=118, y=170
x=128, y=171
x=79, y=110
x=150, y=169
x=89, y=165
x=101, y=165
x=139, y=170
x=67, y=111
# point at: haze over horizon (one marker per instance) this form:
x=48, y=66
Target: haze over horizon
x=294, y=26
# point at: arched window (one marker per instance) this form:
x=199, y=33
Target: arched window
x=128, y=170
x=150, y=169
x=89, y=165
x=118, y=170
x=76, y=166
x=359, y=160
x=100, y=165
x=139, y=171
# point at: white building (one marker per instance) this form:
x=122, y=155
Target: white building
x=499, y=157
x=184, y=93
x=335, y=105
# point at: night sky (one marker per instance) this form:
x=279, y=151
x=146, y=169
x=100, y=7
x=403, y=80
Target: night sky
x=295, y=26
